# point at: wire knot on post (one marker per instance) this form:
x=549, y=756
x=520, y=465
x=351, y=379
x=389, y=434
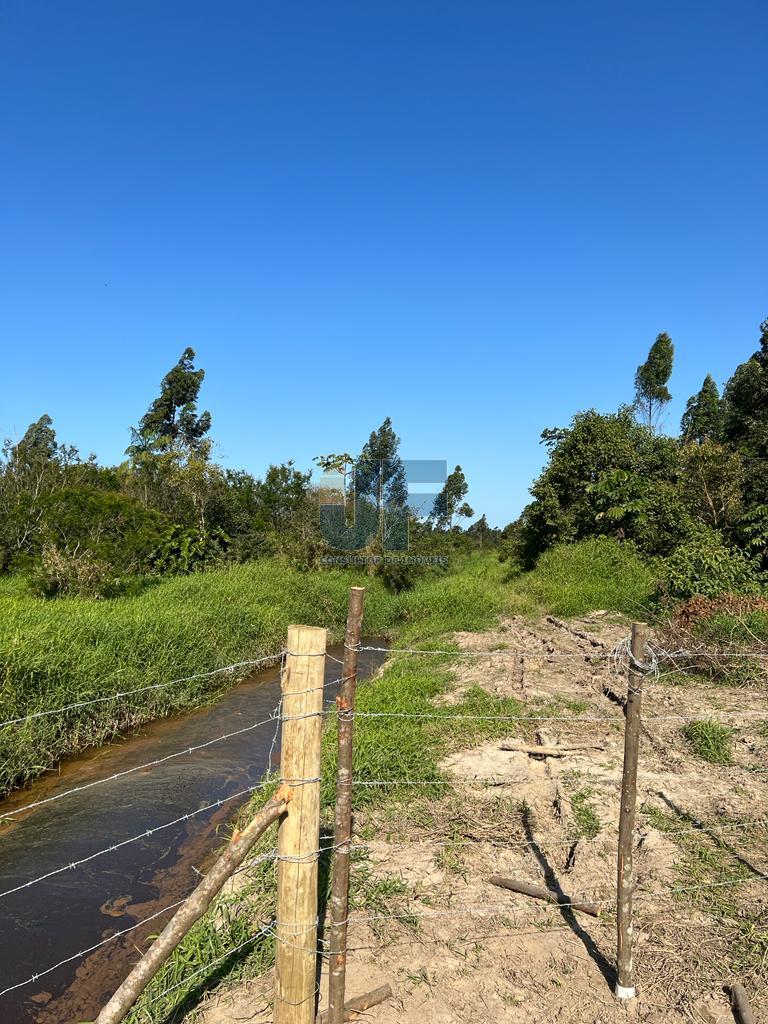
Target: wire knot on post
x=622, y=659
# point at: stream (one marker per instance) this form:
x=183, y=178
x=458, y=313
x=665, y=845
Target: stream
x=48, y=922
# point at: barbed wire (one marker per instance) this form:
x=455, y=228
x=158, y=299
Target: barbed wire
x=141, y=689
x=503, y=845
x=133, y=839
x=619, y=658
x=212, y=963
x=593, y=655
x=462, y=716
x=90, y=949
x=138, y=767
x=483, y=909
x=278, y=928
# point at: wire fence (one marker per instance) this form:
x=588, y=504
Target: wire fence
x=618, y=661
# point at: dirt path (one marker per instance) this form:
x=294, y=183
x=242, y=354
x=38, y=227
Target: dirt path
x=456, y=948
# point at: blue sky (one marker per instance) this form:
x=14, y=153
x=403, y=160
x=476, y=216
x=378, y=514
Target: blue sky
x=471, y=217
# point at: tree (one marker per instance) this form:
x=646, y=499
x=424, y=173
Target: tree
x=170, y=454
x=745, y=419
x=281, y=497
x=171, y=421
x=482, y=533
x=607, y=464
x=380, y=478
x=30, y=470
x=746, y=401
x=448, y=503
x=651, y=378
x=711, y=483
x=703, y=416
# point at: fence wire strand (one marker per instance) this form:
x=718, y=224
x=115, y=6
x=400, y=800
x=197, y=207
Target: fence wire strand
x=619, y=661
x=141, y=689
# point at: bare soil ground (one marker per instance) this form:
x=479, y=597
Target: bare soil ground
x=456, y=948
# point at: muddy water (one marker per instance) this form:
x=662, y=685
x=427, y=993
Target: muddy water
x=48, y=922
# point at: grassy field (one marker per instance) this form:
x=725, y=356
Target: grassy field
x=55, y=653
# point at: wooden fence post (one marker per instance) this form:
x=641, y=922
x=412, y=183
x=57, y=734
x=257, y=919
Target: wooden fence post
x=299, y=833
x=625, y=984
x=339, y=908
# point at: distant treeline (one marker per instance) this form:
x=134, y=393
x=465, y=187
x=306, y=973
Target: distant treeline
x=74, y=526
x=696, y=503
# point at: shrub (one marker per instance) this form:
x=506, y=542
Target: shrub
x=705, y=566
x=186, y=549
x=572, y=579
x=59, y=574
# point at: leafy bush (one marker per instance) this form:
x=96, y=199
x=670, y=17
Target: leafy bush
x=606, y=474
x=705, y=566
x=572, y=579
x=186, y=549
x=59, y=574
x=114, y=528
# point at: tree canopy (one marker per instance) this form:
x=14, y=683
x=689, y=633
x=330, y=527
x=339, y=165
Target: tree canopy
x=651, y=379
x=703, y=416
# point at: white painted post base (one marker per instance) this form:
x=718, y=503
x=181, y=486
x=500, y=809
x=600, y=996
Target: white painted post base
x=624, y=993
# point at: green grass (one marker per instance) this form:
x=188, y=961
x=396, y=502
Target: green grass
x=709, y=862
x=54, y=653
x=709, y=740
x=750, y=629
x=573, y=579
x=710, y=874
x=584, y=816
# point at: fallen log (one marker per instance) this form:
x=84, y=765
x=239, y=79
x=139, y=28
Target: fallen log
x=740, y=1002
x=192, y=909
x=536, y=891
x=539, y=750
x=358, y=1004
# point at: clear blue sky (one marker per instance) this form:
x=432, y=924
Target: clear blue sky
x=471, y=217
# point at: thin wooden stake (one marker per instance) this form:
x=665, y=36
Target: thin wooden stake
x=299, y=834
x=339, y=908
x=625, y=984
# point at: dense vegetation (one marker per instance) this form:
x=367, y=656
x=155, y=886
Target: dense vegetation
x=78, y=649
x=72, y=526
x=206, y=566
x=693, y=507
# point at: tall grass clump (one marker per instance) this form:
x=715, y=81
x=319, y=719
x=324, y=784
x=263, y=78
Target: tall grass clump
x=709, y=740
x=55, y=653
x=469, y=598
x=573, y=579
